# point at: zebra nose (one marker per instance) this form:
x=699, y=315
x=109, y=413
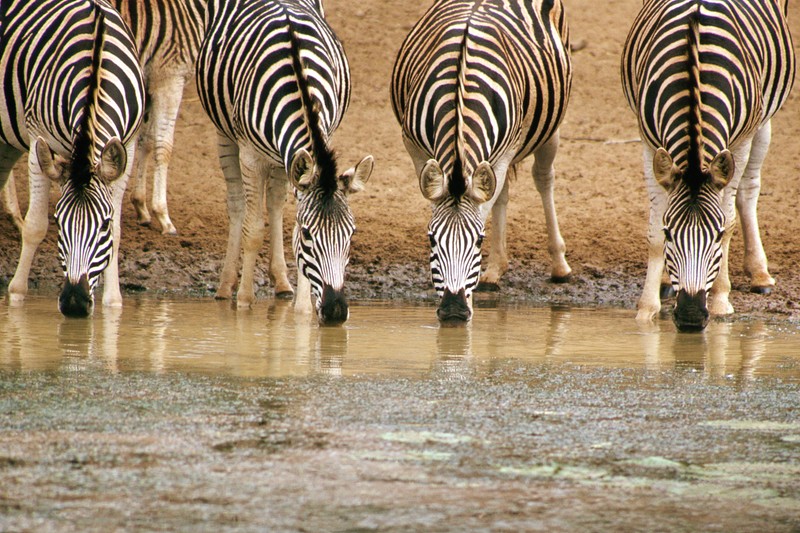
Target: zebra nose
x=691, y=313
x=333, y=309
x=454, y=307
x=75, y=299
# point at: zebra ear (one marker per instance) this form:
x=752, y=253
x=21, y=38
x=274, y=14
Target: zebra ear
x=664, y=169
x=484, y=183
x=354, y=179
x=301, y=170
x=431, y=181
x=112, y=161
x=50, y=165
x=722, y=169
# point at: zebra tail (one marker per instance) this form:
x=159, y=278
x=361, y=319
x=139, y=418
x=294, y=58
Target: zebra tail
x=324, y=156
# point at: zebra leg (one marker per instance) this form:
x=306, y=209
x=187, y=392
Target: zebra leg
x=254, y=177
x=302, y=300
x=112, y=297
x=544, y=178
x=277, y=187
x=755, y=260
x=144, y=147
x=497, y=263
x=34, y=229
x=8, y=158
x=650, y=302
x=229, y=161
x=164, y=112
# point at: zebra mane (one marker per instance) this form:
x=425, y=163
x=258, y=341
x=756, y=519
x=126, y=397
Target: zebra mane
x=324, y=156
x=82, y=159
x=694, y=173
x=457, y=184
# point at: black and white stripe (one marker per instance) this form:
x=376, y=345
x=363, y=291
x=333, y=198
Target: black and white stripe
x=705, y=78
x=167, y=34
x=478, y=85
x=275, y=81
x=72, y=93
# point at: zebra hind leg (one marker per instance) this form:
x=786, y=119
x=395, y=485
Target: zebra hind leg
x=755, y=260
x=8, y=157
x=544, y=178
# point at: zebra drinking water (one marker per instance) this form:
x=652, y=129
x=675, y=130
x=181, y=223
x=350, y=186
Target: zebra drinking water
x=71, y=92
x=478, y=85
x=704, y=79
x=275, y=81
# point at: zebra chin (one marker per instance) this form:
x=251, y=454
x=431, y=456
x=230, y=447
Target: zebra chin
x=454, y=308
x=76, y=299
x=691, y=312
x=333, y=309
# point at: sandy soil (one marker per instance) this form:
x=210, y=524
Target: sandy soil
x=599, y=191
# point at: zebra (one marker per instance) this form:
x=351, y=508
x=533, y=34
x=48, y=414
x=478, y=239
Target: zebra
x=275, y=81
x=168, y=34
x=72, y=94
x=705, y=78
x=477, y=86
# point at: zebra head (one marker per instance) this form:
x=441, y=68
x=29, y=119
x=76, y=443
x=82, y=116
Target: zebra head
x=456, y=233
x=694, y=226
x=84, y=215
x=323, y=230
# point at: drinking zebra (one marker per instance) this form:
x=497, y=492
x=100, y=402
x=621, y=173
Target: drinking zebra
x=478, y=85
x=167, y=34
x=704, y=79
x=71, y=92
x=275, y=81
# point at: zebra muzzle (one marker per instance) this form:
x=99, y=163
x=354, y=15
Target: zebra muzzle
x=691, y=312
x=333, y=309
x=75, y=299
x=454, y=307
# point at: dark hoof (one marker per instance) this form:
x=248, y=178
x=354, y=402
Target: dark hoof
x=561, y=279
x=284, y=295
x=145, y=223
x=487, y=287
x=667, y=291
x=761, y=290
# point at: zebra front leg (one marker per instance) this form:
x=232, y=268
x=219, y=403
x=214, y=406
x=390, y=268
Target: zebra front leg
x=718, y=299
x=650, y=301
x=302, y=300
x=544, y=178
x=755, y=260
x=228, y=152
x=254, y=175
x=164, y=112
x=34, y=229
x=144, y=147
x=497, y=263
x=112, y=296
x=277, y=187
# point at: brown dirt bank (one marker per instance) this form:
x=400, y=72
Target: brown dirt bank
x=600, y=193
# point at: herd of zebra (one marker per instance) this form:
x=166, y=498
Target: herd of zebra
x=91, y=89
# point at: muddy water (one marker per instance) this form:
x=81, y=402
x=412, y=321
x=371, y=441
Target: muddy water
x=270, y=341
x=189, y=415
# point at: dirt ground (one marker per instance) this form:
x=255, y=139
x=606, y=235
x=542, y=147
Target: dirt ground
x=600, y=193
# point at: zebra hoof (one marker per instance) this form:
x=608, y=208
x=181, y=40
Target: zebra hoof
x=761, y=290
x=666, y=292
x=284, y=295
x=487, y=286
x=561, y=279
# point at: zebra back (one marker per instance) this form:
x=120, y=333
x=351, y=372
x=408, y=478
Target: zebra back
x=46, y=53
x=477, y=79
x=706, y=74
x=167, y=32
x=248, y=79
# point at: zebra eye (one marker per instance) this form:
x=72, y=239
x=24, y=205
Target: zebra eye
x=306, y=234
x=719, y=236
x=480, y=240
x=667, y=235
x=432, y=239
x=106, y=225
